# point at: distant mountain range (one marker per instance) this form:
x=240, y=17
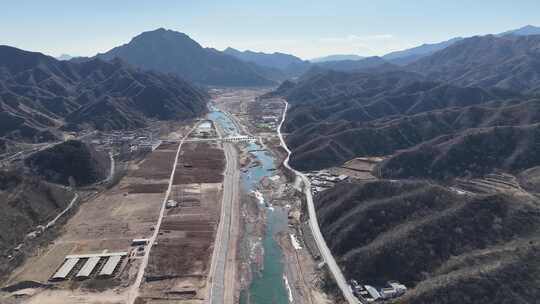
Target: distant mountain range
x=461, y=62
x=407, y=56
x=290, y=65
x=64, y=57
x=173, y=52
x=336, y=58
x=168, y=51
x=410, y=55
x=335, y=116
x=509, y=61
x=39, y=95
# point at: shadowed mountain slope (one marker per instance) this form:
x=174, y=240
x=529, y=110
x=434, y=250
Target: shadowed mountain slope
x=336, y=116
x=433, y=240
x=70, y=162
x=469, y=154
x=510, y=62
x=39, y=94
x=26, y=202
x=453, y=126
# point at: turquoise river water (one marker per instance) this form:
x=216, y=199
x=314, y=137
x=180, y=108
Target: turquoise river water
x=267, y=285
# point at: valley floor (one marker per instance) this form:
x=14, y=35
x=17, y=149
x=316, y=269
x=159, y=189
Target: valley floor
x=209, y=244
x=302, y=278
x=114, y=220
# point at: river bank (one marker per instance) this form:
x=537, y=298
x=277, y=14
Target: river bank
x=274, y=264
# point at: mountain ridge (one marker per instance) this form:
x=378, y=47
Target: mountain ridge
x=39, y=94
x=168, y=51
x=445, y=247
x=509, y=62
x=70, y=162
x=410, y=55
x=332, y=113
x=337, y=57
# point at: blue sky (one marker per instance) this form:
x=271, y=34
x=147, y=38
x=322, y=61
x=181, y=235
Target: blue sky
x=305, y=28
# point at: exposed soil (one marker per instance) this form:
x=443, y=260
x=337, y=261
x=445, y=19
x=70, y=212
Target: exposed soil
x=157, y=165
x=179, y=263
x=200, y=163
x=147, y=188
x=107, y=221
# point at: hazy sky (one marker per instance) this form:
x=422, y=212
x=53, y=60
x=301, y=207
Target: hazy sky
x=305, y=28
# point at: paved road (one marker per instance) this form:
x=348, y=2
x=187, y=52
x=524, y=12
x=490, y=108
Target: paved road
x=4, y=159
x=224, y=139
x=314, y=224
x=223, y=259
x=134, y=291
x=221, y=280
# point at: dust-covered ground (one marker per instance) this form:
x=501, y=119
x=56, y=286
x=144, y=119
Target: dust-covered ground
x=180, y=261
x=106, y=223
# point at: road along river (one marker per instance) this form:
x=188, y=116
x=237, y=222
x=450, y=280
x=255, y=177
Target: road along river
x=267, y=284
x=314, y=225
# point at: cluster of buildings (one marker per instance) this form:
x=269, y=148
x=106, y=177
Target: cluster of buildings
x=267, y=114
x=128, y=141
x=392, y=290
x=205, y=130
x=322, y=180
x=270, y=122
